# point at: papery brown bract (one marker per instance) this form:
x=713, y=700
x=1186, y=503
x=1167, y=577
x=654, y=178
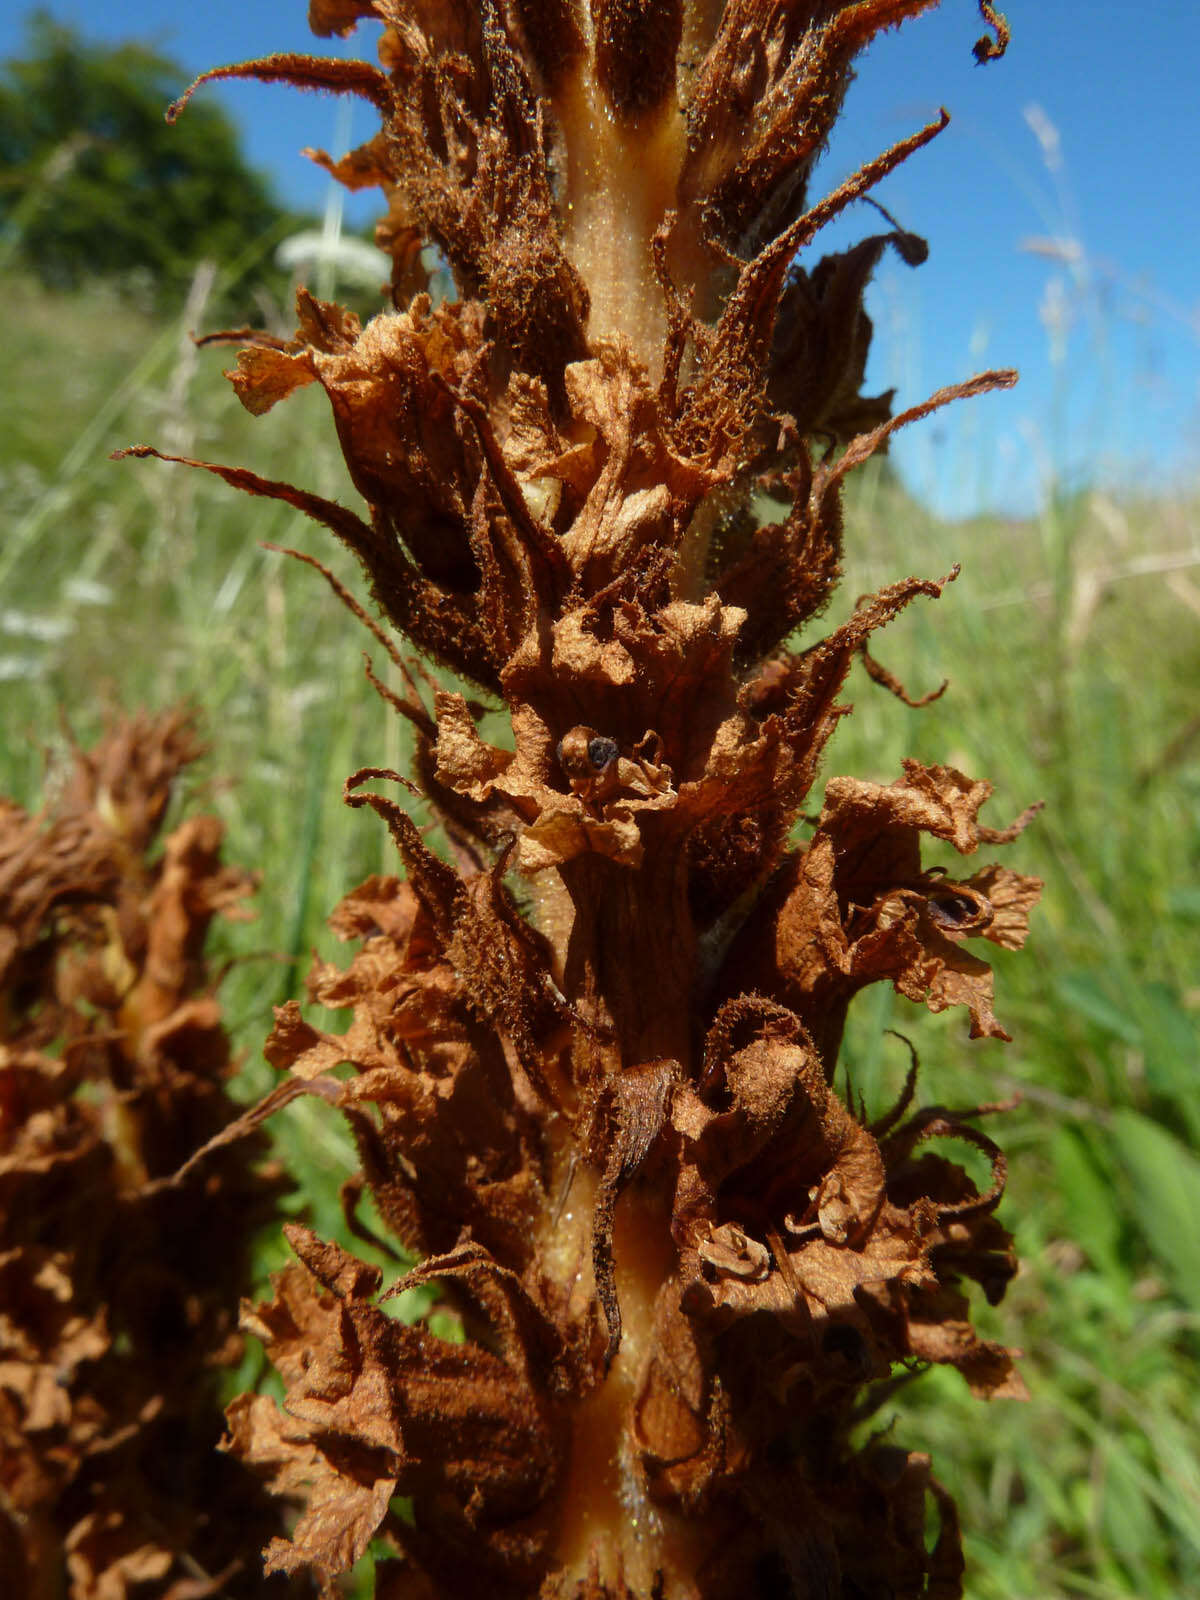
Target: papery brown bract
x=592, y=1061
x=119, y=1285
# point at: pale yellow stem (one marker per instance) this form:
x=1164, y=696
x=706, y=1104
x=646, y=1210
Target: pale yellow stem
x=620, y=183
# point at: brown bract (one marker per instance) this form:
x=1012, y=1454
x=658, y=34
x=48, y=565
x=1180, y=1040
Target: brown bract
x=591, y=1058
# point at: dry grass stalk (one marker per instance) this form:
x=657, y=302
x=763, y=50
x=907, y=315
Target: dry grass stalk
x=593, y=1059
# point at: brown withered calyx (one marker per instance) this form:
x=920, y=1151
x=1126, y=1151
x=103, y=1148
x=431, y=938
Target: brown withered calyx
x=593, y=1053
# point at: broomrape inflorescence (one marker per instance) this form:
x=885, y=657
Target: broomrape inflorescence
x=593, y=1052
x=120, y=1263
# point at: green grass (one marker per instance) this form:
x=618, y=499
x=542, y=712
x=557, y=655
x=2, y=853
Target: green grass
x=1072, y=648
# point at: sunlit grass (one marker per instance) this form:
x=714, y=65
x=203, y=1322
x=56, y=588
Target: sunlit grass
x=1071, y=656
x=1072, y=648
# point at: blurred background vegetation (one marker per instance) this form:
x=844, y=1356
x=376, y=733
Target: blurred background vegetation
x=1073, y=649
x=95, y=184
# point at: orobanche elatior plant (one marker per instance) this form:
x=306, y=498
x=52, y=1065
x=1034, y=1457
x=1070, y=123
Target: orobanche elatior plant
x=120, y=1262
x=594, y=1041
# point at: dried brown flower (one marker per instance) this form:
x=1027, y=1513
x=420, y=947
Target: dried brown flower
x=119, y=1286
x=593, y=1059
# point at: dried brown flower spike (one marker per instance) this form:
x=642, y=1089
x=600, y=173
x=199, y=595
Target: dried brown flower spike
x=593, y=1061
x=117, y=1283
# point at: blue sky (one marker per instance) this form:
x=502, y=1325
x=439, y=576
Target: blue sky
x=1062, y=207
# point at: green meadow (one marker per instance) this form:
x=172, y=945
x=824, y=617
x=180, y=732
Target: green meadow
x=1072, y=646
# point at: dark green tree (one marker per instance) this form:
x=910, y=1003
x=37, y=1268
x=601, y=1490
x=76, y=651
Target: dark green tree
x=93, y=182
